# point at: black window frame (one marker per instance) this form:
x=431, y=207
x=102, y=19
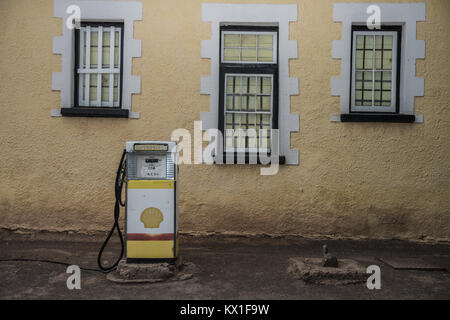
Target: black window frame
x=77, y=110
x=248, y=68
x=378, y=116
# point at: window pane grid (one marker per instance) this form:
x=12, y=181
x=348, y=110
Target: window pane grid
x=374, y=68
x=248, y=107
x=249, y=47
x=99, y=66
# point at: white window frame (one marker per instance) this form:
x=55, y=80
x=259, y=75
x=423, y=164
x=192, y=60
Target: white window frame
x=373, y=108
x=255, y=15
x=84, y=70
x=236, y=148
x=126, y=12
x=274, y=48
x=405, y=14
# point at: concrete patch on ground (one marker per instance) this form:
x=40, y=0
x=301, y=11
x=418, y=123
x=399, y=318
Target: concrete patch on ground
x=151, y=272
x=311, y=271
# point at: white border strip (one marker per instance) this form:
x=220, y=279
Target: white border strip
x=253, y=14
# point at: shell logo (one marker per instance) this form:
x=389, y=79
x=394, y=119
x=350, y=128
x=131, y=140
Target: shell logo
x=152, y=218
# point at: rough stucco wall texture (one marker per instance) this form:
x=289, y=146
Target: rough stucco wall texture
x=374, y=180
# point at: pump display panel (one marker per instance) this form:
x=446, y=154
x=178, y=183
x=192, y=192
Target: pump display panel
x=152, y=166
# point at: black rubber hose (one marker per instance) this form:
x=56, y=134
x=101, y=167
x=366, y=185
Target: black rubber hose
x=120, y=178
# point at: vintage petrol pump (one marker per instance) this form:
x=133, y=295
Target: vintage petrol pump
x=151, y=210
x=149, y=170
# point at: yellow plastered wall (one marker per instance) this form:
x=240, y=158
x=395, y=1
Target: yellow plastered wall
x=376, y=180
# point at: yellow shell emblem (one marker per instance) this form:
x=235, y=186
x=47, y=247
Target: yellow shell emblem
x=151, y=218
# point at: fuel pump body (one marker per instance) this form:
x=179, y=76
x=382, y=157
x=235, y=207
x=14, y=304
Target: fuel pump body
x=151, y=204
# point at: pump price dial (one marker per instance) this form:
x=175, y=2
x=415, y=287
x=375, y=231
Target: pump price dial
x=152, y=166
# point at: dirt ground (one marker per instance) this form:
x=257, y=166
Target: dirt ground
x=226, y=268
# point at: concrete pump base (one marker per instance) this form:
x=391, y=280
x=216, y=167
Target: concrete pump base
x=150, y=272
x=310, y=270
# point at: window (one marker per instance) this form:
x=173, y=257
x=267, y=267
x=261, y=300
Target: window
x=98, y=54
x=375, y=70
x=96, y=78
x=250, y=45
x=248, y=100
x=378, y=80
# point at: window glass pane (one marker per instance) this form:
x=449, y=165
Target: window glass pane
x=388, y=40
x=94, y=49
x=237, y=103
x=94, y=57
x=244, y=121
x=387, y=85
x=252, y=103
x=93, y=87
x=116, y=88
x=94, y=38
x=387, y=60
x=359, y=75
x=266, y=85
x=229, y=102
x=244, y=103
x=378, y=42
x=237, y=84
x=359, y=42
x=378, y=57
x=84, y=49
x=266, y=103
x=230, y=84
x=83, y=85
x=369, y=42
x=265, y=41
x=106, y=57
x=244, y=84
x=368, y=62
x=265, y=55
x=106, y=38
x=105, y=87
x=248, y=40
x=252, y=88
x=248, y=54
x=231, y=54
x=386, y=96
x=116, y=57
x=258, y=103
x=359, y=59
x=232, y=40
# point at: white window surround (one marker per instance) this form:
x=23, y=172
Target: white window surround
x=407, y=15
x=253, y=14
x=97, y=11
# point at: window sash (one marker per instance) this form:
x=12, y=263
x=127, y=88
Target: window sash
x=85, y=71
x=373, y=70
x=255, y=112
x=256, y=33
